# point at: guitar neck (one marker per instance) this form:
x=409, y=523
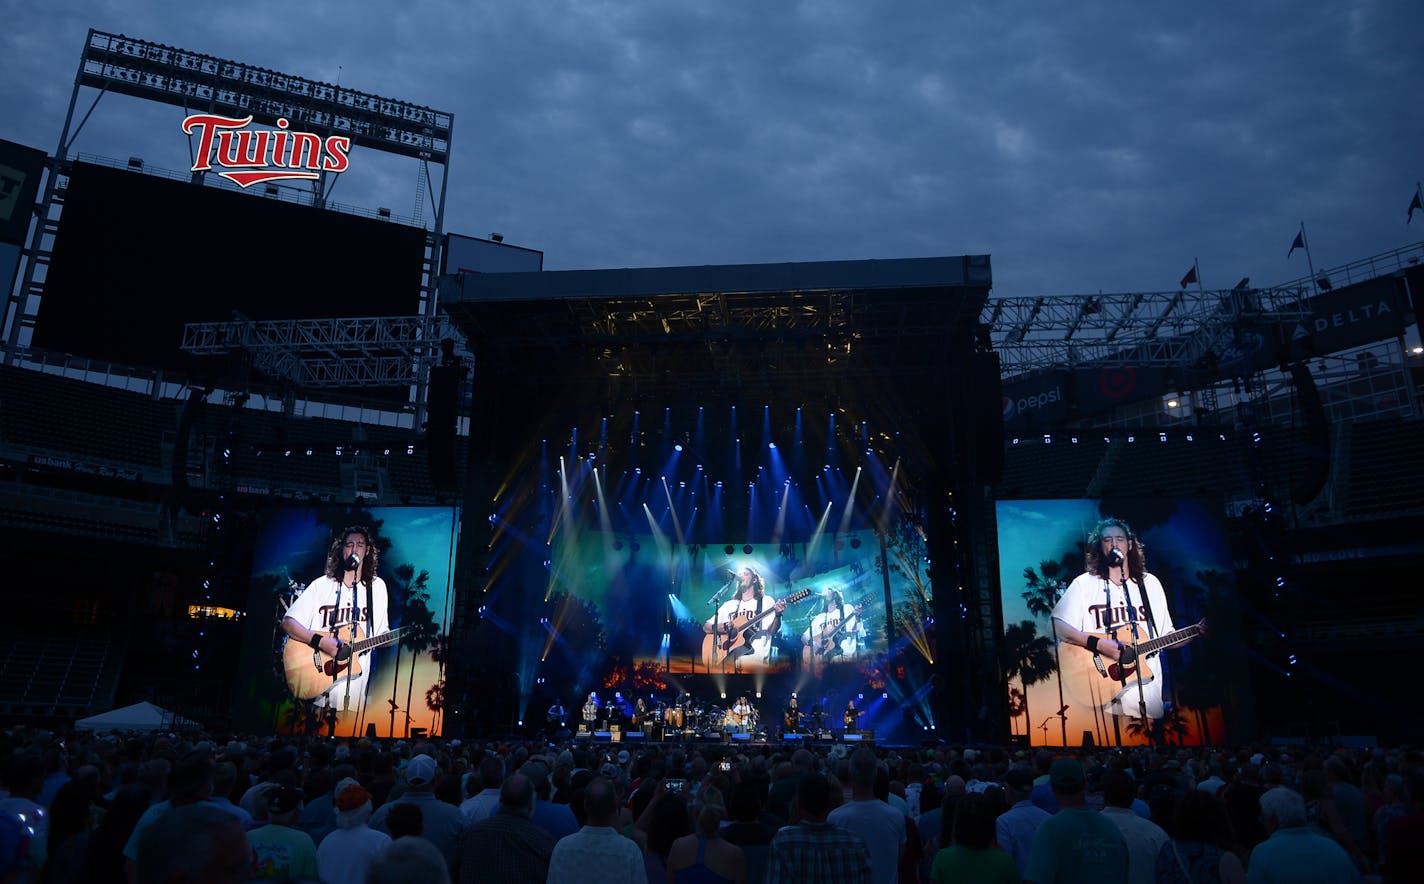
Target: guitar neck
x=1170, y=640
x=385, y=638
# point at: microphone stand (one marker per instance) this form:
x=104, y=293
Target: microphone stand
x=716, y=623
x=1137, y=658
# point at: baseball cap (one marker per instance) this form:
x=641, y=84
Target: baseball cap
x=420, y=771
x=351, y=797
x=283, y=799
x=623, y=756
x=1067, y=773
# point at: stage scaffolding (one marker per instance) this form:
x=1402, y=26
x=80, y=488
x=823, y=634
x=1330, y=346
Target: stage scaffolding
x=200, y=83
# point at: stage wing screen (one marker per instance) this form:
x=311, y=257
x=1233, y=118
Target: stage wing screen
x=289, y=687
x=1177, y=607
x=137, y=256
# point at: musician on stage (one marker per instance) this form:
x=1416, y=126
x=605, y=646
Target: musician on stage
x=640, y=712
x=348, y=600
x=1115, y=594
x=558, y=716
x=749, y=603
x=590, y=710
x=851, y=716
x=742, y=715
x=791, y=718
x=838, y=632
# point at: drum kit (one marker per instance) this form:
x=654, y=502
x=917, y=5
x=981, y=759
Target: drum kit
x=694, y=719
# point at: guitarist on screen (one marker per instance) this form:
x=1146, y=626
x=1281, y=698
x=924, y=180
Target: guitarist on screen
x=837, y=633
x=749, y=603
x=333, y=611
x=1114, y=604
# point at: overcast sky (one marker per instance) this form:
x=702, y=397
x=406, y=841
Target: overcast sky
x=1085, y=146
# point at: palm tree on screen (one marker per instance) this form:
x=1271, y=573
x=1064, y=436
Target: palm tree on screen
x=1028, y=657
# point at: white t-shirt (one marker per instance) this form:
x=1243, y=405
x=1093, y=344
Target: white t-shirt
x=1093, y=604
x=827, y=621
x=733, y=608
x=326, y=605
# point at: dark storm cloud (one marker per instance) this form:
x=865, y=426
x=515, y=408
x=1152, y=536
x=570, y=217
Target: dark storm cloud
x=1085, y=146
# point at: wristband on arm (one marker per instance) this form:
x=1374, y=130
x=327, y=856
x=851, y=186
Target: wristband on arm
x=1091, y=644
x=315, y=641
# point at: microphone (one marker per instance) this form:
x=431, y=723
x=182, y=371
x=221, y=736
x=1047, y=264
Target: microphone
x=1115, y=558
x=353, y=562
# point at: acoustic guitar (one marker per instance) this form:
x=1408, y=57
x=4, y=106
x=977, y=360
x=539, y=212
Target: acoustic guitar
x=734, y=638
x=1095, y=680
x=311, y=673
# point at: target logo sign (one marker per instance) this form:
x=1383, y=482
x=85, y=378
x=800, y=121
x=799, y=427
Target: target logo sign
x=1117, y=383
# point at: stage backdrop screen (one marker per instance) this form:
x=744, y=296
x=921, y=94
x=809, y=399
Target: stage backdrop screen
x=1181, y=610
x=144, y=255
x=404, y=677
x=632, y=614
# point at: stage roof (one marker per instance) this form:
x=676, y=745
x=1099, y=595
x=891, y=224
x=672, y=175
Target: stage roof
x=724, y=323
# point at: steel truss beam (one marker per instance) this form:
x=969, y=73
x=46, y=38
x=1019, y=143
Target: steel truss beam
x=1143, y=329
x=372, y=351
x=194, y=81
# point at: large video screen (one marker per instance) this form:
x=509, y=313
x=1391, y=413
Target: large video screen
x=148, y=254
x=396, y=622
x=635, y=616
x=1121, y=622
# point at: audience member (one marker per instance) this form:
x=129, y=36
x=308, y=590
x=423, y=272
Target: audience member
x=347, y=853
x=1076, y=843
x=881, y=826
x=442, y=823
x=972, y=854
x=597, y=853
x=506, y=846
x=813, y=850
x=410, y=861
x=1015, y=827
x=1144, y=838
x=1293, y=853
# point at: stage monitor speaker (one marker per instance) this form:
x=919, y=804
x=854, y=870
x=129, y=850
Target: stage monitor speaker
x=417, y=733
x=851, y=737
x=793, y=738
x=868, y=736
x=741, y=737
x=635, y=735
x=603, y=735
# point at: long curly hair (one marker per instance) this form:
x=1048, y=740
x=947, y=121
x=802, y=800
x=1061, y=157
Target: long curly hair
x=833, y=602
x=1096, y=563
x=336, y=559
x=754, y=581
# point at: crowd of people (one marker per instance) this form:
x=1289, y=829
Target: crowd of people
x=167, y=808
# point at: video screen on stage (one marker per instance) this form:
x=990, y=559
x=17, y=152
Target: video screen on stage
x=637, y=619
x=348, y=621
x=1121, y=622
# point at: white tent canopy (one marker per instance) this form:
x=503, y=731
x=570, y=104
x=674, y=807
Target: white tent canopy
x=139, y=717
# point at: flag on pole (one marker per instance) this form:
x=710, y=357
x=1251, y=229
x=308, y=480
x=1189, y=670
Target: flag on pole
x=1190, y=278
x=1299, y=243
x=1414, y=204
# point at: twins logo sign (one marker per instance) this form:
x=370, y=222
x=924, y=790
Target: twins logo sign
x=248, y=156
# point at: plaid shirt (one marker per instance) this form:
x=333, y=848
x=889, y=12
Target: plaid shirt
x=818, y=853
